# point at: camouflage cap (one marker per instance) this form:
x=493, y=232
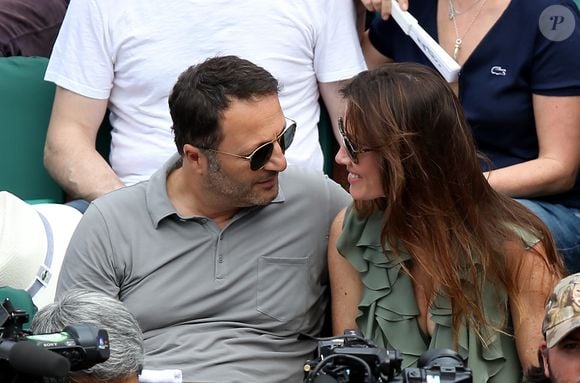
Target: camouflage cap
x=562, y=314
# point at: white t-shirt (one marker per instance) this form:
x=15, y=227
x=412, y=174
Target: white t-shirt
x=132, y=52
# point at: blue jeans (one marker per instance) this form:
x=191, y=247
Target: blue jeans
x=564, y=224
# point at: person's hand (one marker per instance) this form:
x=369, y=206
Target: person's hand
x=383, y=6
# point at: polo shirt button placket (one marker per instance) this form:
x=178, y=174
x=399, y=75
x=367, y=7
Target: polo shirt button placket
x=219, y=266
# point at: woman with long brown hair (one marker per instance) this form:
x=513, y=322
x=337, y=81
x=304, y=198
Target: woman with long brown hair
x=429, y=255
x=519, y=86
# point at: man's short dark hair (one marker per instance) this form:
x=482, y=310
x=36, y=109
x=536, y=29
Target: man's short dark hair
x=204, y=91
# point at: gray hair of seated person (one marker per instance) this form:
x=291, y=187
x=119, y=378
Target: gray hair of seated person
x=88, y=307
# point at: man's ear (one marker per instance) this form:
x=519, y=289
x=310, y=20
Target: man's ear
x=194, y=158
x=545, y=357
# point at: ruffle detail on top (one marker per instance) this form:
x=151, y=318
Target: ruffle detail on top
x=388, y=310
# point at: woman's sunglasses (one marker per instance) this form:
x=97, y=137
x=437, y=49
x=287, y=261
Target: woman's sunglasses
x=352, y=151
x=262, y=154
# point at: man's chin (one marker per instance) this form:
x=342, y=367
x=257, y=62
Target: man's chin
x=264, y=197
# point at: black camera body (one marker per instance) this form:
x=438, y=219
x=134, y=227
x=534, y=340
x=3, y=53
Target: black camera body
x=351, y=358
x=30, y=357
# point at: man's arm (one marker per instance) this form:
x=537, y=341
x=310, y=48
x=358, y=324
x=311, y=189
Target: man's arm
x=556, y=168
x=338, y=56
x=89, y=260
x=334, y=102
x=70, y=155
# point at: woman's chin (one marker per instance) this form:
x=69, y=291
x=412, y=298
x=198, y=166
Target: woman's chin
x=361, y=194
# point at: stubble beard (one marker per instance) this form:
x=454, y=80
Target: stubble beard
x=241, y=194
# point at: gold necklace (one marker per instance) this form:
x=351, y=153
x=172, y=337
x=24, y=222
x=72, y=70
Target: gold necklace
x=459, y=40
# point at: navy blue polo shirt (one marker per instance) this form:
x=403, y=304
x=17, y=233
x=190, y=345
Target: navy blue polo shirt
x=512, y=62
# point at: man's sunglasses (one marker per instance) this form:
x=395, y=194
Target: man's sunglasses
x=352, y=151
x=262, y=154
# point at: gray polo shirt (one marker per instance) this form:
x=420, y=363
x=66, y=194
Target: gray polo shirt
x=221, y=305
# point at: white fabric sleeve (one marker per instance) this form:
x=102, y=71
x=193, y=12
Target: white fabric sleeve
x=160, y=376
x=338, y=54
x=81, y=60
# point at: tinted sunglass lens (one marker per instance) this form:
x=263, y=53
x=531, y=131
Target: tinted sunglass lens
x=261, y=156
x=287, y=137
x=347, y=144
x=350, y=149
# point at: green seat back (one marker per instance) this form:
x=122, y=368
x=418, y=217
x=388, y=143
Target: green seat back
x=25, y=107
x=20, y=300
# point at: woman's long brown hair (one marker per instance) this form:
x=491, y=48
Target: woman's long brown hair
x=438, y=205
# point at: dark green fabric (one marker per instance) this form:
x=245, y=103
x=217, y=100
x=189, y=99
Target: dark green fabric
x=25, y=107
x=326, y=139
x=103, y=143
x=388, y=310
x=21, y=300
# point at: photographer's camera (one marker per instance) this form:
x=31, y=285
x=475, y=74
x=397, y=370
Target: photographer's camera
x=27, y=357
x=352, y=358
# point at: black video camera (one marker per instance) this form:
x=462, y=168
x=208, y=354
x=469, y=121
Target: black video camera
x=352, y=358
x=26, y=357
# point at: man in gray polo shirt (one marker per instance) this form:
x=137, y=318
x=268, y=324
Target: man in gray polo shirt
x=221, y=255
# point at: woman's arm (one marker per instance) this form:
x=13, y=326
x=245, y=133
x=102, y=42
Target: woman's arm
x=373, y=57
x=534, y=281
x=345, y=284
x=556, y=168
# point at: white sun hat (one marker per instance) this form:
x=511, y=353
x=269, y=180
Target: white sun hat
x=33, y=241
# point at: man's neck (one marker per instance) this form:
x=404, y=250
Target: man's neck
x=189, y=199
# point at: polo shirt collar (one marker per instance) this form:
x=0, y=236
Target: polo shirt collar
x=158, y=204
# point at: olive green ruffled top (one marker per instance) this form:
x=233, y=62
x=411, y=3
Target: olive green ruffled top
x=388, y=310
